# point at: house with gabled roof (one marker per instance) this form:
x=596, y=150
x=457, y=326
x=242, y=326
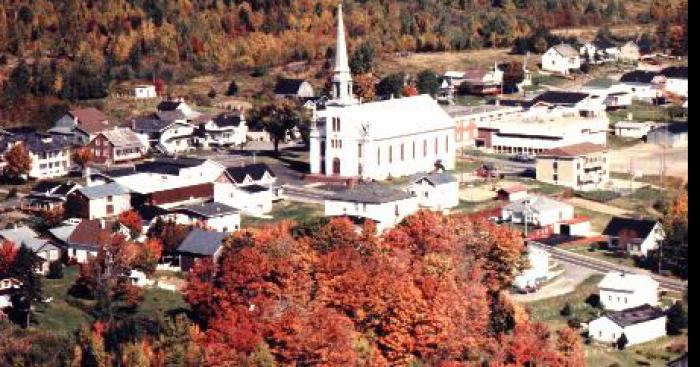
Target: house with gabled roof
x=620, y=290
x=643, y=85
x=167, y=134
x=251, y=188
x=383, y=205
x=99, y=201
x=639, y=325
x=212, y=215
x=42, y=247
x=48, y=195
x=81, y=124
x=225, y=130
x=50, y=154
x=293, y=88
x=635, y=236
x=83, y=238
x=562, y=59
x=514, y=192
x=676, y=80
x=116, y=145
x=435, y=190
x=200, y=244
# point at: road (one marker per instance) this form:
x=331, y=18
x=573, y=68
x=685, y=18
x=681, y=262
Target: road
x=601, y=266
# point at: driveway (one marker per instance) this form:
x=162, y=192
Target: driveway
x=566, y=283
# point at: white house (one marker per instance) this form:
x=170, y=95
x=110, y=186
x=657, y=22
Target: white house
x=578, y=227
x=642, y=85
x=225, y=130
x=100, y=201
x=669, y=135
x=145, y=91
x=639, y=324
x=295, y=88
x=676, y=80
x=83, y=238
x=538, y=270
x=619, y=291
x=515, y=192
x=467, y=118
x=381, y=204
x=213, y=215
x=8, y=285
x=435, y=191
x=391, y=138
x=25, y=236
x=633, y=129
x=50, y=154
x=630, y=51
x=167, y=136
x=251, y=189
x=636, y=236
x=561, y=59
x=537, y=210
x=177, y=105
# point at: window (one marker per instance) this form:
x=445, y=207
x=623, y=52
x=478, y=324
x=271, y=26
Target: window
x=555, y=166
x=447, y=143
x=436, y=145
x=109, y=198
x=110, y=209
x=379, y=156
x=391, y=154
x=401, y=152
x=425, y=147
x=359, y=150
x=555, y=177
x=414, y=149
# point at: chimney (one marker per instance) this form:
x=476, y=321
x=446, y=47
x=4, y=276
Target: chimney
x=87, y=172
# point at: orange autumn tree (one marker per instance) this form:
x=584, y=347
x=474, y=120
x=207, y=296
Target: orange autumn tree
x=8, y=252
x=132, y=220
x=422, y=292
x=82, y=156
x=18, y=161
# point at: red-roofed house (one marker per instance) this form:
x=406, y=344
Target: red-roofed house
x=83, y=124
x=513, y=193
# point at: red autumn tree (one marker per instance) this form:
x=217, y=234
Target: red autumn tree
x=18, y=161
x=8, y=252
x=132, y=220
x=409, y=91
x=82, y=156
x=423, y=291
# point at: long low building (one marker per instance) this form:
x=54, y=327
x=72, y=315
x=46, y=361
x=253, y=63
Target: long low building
x=467, y=118
x=534, y=132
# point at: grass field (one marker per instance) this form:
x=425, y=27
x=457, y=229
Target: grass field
x=598, y=220
x=654, y=353
x=286, y=210
x=640, y=112
x=65, y=313
x=641, y=201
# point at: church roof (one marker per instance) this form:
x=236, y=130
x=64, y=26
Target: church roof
x=399, y=117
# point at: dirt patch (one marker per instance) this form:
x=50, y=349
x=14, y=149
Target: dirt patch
x=598, y=207
x=648, y=159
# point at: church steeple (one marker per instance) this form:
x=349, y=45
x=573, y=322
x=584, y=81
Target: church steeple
x=342, y=79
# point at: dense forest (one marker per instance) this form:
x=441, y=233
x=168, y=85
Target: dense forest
x=75, y=50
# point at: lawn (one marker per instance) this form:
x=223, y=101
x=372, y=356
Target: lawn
x=641, y=201
x=469, y=100
x=641, y=111
x=65, y=313
x=598, y=220
x=541, y=79
x=654, y=353
x=293, y=210
x=594, y=251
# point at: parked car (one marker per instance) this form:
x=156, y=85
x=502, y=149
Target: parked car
x=523, y=157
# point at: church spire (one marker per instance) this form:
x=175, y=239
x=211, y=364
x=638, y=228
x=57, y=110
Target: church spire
x=342, y=79
x=341, y=50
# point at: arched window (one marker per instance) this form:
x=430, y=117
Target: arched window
x=402, y=152
x=414, y=149
x=447, y=143
x=425, y=147
x=436, y=145
x=379, y=156
x=391, y=154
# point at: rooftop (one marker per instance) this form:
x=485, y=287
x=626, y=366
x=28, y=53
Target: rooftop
x=559, y=97
x=208, y=210
x=575, y=150
x=436, y=178
x=566, y=50
x=122, y=137
x=626, y=281
x=254, y=171
x=638, y=76
x=288, y=86
x=458, y=110
x=635, y=315
x=535, y=204
x=101, y=191
x=636, y=228
x=201, y=242
x=370, y=193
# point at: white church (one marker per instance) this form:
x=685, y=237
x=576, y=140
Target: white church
x=377, y=140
